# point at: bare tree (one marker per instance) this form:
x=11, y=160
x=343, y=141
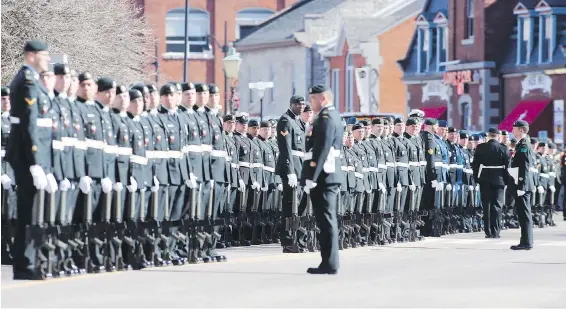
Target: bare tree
x=105, y=37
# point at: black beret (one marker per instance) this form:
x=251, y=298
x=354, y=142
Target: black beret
x=493, y=131
x=533, y=140
x=308, y=108
x=61, y=69
x=442, y=123
x=377, y=121
x=141, y=88
x=483, y=134
x=187, y=86
x=273, y=122
x=229, y=117
x=85, y=76
x=541, y=144
x=242, y=118
x=513, y=141
x=253, y=123
x=476, y=137
x=265, y=124
x=398, y=120
x=551, y=146
x=317, y=89
x=386, y=121
x=464, y=134
x=357, y=126
x=35, y=46
x=364, y=123
x=105, y=83
x=167, y=89
x=411, y=121
x=520, y=124
x=201, y=87
x=178, y=86
x=151, y=88
x=297, y=99
x=121, y=89
x=452, y=130
x=5, y=91
x=504, y=132
x=134, y=94
x=431, y=122
x=212, y=88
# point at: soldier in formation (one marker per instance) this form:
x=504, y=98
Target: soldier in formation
x=99, y=176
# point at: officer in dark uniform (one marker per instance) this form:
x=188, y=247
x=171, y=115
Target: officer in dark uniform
x=8, y=185
x=269, y=184
x=229, y=125
x=467, y=183
x=433, y=175
x=523, y=160
x=254, y=192
x=290, y=141
x=402, y=180
x=543, y=182
x=490, y=171
x=414, y=177
x=246, y=176
x=29, y=152
x=363, y=182
x=454, y=178
x=322, y=175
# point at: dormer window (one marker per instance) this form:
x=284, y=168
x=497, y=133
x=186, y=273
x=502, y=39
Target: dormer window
x=425, y=49
x=524, y=39
x=470, y=13
x=547, y=37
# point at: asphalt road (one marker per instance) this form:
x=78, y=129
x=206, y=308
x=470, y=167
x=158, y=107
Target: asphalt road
x=463, y=270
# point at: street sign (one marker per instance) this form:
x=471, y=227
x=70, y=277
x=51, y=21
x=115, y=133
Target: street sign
x=559, y=121
x=543, y=136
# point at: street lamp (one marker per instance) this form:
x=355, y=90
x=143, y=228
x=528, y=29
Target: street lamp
x=261, y=87
x=231, y=64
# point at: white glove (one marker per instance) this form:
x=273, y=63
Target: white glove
x=264, y=189
x=412, y=187
x=520, y=193
x=51, y=184
x=552, y=188
x=399, y=187
x=477, y=187
x=434, y=183
x=211, y=184
x=449, y=187
x=471, y=188
x=106, y=185
x=309, y=184
x=382, y=187
x=64, y=185
x=118, y=187
x=155, y=186
x=85, y=184
x=133, y=187
x=6, y=181
x=280, y=187
x=242, y=185
x=255, y=186
x=39, y=180
x=440, y=186
x=292, y=180
x=193, y=180
x=540, y=189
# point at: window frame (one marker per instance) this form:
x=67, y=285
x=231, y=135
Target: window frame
x=195, y=15
x=470, y=19
x=336, y=85
x=349, y=83
x=242, y=21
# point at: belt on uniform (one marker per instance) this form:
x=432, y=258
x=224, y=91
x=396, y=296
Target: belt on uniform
x=543, y=175
x=257, y=165
x=414, y=164
x=422, y=163
x=401, y=164
x=445, y=165
x=218, y=153
x=245, y=164
x=80, y=145
x=390, y=164
x=157, y=154
x=193, y=148
x=69, y=141
x=335, y=153
x=138, y=160
x=14, y=120
x=269, y=169
x=44, y=122
x=91, y=143
x=358, y=175
x=382, y=166
x=438, y=164
x=234, y=165
x=58, y=145
x=468, y=171
x=124, y=151
x=373, y=169
x=111, y=149
x=175, y=154
x=552, y=174
x=297, y=153
x=206, y=148
x=533, y=169
x=228, y=158
x=3, y=153
x=489, y=167
x=344, y=168
x=365, y=170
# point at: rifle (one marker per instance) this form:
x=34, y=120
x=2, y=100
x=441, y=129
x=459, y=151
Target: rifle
x=228, y=217
x=7, y=229
x=256, y=216
x=242, y=217
x=39, y=233
x=293, y=224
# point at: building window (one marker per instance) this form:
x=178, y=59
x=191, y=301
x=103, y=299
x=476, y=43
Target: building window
x=272, y=79
x=293, y=86
x=547, y=37
x=247, y=20
x=199, y=29
x=524, y=40
x=470, y=13
x=466, y=116
x=442, y=41
x=336, y=86
x=350, y=79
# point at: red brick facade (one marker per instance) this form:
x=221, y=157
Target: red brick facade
x=339, y=62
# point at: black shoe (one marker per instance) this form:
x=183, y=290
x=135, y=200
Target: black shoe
x=488, y=236
x=31, y=276
x=321, y=271
x=220, y=258
x=521, y=247
x=496, y=236
x=220, y=245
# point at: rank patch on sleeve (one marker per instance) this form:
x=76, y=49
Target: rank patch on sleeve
x=284, y=133
x=312, y=164
x=430, y=151
x=30, y=102
x=34, y=148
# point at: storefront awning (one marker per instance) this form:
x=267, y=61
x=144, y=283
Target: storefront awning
x=526, y=110
x=434, y=112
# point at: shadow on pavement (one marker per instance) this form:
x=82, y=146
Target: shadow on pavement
x=226, y=272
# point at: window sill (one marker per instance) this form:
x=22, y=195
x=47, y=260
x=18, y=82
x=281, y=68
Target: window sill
x=469, y=41
x=180, y=56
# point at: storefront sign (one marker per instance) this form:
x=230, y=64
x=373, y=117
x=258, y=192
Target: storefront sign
x=436, y=88
x=559, y=121
x=459, y=78
x=536, y=81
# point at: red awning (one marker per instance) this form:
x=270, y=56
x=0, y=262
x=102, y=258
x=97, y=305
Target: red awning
x=526, y=110
x=434, y=112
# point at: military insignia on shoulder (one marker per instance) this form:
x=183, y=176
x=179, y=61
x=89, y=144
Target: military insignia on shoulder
x=284, y=133
x=325, y=116
x=312, y=164
x=30, y=102
x=430, y=151
x=34, y=148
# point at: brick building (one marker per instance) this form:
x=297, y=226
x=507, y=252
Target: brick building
x=207, y=21
x=469, y=59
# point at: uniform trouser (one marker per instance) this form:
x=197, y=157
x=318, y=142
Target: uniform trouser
x=24, y=251
x=219, y=199
x=9, y=215
x=324, y=203
x=492, y=202
x=345, y=201
x=287, y=203
x=80, y=215
x=232, y=203
x=523, y=208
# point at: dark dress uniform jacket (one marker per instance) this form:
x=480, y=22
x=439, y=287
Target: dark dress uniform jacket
x=389, y=162
x=245, y=157
x=110, y=148
x=137, y=168
x=433, y=157
x=327, y=132
x=94, y=138
x=218, y=154
x=58, y=148
x=67, y=136
x=30, y=136
x=401, y=153
x=194, y=145
x=230, y=141
x=523, y=159
x=380, y=156
x=257, y=160
x=74, y=139
x=290, y=141
x=123, y=140
x=174, y=132
x=6, y=127
x=414, y=161
x=491, y=154
x=206, y=141
x=543, y=170
x=268, y=163
x=360, y=151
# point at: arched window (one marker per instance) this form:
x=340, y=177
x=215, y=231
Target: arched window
x=199, y=29
x=248, y=19
x=466, y=115
x=350, y=80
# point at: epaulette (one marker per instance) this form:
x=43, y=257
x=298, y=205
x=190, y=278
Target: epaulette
x=28, y=76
